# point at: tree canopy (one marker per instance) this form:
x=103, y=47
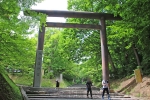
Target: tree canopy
x=76, y=52
x=16, y=46
x=127, y=39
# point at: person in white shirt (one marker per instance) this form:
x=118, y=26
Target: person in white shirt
x=105, y=88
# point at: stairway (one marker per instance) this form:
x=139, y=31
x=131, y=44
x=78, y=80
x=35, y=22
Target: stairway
x=74, y=93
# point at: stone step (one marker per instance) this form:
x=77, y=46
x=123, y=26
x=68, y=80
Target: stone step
x=80, y=99
x=65, y=92
x=57, y=94
x=70, y=96
x=71, y=93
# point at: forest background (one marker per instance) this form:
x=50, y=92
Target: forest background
x=76, y=53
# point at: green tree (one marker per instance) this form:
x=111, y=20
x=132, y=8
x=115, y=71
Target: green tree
x=15, y=43
x=53, y=57
x=124, y=37
x=17, y=49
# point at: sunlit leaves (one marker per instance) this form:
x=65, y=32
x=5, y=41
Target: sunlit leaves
x=133, y=29
x=54, y=58
x=25, y=4
x=17, y=49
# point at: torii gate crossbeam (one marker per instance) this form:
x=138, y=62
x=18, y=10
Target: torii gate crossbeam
x=72, y=14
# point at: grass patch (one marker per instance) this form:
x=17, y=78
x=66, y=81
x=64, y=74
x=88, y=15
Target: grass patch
x=52, y=83
x=28, y=81
x=47, y=83
x=23, y=80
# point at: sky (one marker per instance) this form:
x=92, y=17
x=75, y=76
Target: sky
x=52, y=5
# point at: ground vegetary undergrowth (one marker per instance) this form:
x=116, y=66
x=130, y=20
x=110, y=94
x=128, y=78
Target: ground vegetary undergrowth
x=8, y=90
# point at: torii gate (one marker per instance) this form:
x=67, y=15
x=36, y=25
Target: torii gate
x=72, y=14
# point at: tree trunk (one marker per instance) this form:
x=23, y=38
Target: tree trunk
x=110, y=61
x=136, y=54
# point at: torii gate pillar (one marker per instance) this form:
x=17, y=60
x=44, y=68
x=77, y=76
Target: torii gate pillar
x=104, y=50
x=39, y=57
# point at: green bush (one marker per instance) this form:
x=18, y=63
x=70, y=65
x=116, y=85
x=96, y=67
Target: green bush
x=47, y=83
x=49, y=75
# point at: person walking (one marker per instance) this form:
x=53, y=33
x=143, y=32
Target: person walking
x=89, y=88
x=105, y=84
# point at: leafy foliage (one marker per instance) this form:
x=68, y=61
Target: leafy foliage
x=124, y=37
x=16, y=45
x=75, y=52
x=17, y=49
x=53, y=57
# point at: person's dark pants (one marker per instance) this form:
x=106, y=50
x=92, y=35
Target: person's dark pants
x=105, y=89
x=89, y=90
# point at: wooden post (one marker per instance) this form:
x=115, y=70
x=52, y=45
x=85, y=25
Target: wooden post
x=104, y=50
x=38, y=61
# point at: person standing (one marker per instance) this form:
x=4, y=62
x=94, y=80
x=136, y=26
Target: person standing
x=57, y=84
x=105, y=84
x=89, y=88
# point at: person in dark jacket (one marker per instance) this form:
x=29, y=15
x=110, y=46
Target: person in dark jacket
x=57, y=84
x=89, y=88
